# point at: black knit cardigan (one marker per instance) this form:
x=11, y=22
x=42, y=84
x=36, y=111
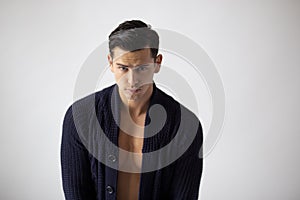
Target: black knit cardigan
x=89, y=153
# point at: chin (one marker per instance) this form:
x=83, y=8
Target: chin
x=132, y=97
x=135, y=95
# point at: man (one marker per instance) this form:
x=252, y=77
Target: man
x=131, y=140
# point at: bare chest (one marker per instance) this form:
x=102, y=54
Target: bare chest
x=130, y=159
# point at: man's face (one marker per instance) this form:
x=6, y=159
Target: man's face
x=134, y=71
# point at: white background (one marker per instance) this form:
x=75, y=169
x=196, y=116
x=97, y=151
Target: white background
x=255, y=46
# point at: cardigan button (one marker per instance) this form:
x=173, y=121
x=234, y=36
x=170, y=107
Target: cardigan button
x=109, y=189
x=112, y=158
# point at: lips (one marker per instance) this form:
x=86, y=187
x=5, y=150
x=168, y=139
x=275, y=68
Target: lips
x=132, y=91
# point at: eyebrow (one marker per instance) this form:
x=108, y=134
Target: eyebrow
x=119, y=64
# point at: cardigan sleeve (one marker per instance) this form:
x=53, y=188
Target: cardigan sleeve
x=75, y=165
x=188, y=171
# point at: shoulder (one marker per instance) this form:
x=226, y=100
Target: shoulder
x=189, y=125
x=89, y=104
x=174, y=106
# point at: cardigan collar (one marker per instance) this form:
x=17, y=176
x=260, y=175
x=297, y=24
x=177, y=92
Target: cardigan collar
x=115, y=104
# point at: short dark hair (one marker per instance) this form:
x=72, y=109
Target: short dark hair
x=132, y=36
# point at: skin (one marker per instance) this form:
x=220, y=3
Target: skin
x=133, y=72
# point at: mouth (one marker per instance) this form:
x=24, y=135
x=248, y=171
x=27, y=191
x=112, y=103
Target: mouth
x=134, y=90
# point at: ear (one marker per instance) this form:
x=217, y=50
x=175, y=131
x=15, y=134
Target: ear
x=158, y=61
x=110, y=62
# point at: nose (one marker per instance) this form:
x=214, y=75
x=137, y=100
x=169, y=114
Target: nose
x=132, y=78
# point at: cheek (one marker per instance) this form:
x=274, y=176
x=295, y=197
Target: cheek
x=147, y=78
x=120, y=79
x=117, y=75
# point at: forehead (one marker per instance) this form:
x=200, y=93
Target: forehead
x=132, y=57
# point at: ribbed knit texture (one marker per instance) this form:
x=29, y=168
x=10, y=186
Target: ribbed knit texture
x=86, y=178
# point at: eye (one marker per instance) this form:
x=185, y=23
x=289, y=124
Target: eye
x=123, y=68
x=142, y=68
